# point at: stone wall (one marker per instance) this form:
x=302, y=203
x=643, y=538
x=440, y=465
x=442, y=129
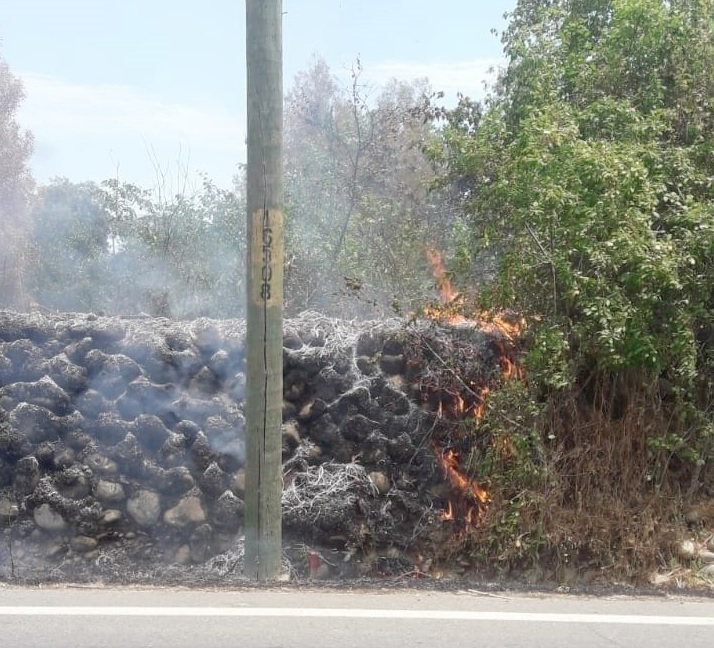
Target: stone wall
x=126, y=435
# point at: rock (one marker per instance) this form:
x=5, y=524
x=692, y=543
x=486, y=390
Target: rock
x=381, y=481
x=110, y=428
x=101, y=465
x=392, y=365
x=129, y=455
x=36, y=423
x=710, y=544
x=150, y=431
x=91, y=403
x=7, y=472
x=64, y=458
x=220, y=364
x=48, y=519
x=188, y=430
x=393, y=401
x=397, y=382
x=27, y=475
x=200, y=543
x=204, y=383
x=83, y=544
x=228, y=512
x=236, y=388
x=368, y=366
x=179, y=480
x=291, y=438
x=78, y=440
x=201, y=452
x=369, y=344
x=43, y=392
x=13, y=444
x=206, y=336
x=312, y=410
x=144, y=508
x=706, y=557
x=56, y=549
x=356, y=428
x=109, y=492
x=692, y=515
x=173, y=451
x=77, y=351
x=188, y=511
x=183, y=555
x=226, y=438
x=707, y=570
x=686, y=550
x=659, y=579
x=45, y=455
x=214, y=481
x=111, y=516
x=69, y=376
x=73, y=482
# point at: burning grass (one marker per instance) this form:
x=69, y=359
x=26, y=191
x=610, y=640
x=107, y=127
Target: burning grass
x=583, y=484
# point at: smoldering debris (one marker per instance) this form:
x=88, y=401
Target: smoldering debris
x=122, y=444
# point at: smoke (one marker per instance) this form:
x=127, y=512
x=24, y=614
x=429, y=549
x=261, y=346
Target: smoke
x=15, y=187
x=117, y=249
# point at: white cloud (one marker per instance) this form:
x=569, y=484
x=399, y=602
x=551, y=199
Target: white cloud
x=466, y=77
x=115, y=109
x=88, y=129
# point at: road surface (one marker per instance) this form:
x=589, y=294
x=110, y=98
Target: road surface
x=79, y=617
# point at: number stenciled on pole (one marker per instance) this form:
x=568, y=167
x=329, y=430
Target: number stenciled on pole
x=267, y=273
x=268, y=247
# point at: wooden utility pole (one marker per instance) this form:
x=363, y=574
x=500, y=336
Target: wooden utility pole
x=264, y=338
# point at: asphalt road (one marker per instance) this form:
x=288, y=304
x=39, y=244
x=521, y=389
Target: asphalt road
x=80, y=617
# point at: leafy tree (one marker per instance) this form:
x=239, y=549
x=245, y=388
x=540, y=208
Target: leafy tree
x=15, y=188
x=590, y=175
x=359, y=197
x=70, y=239
x=592, y=170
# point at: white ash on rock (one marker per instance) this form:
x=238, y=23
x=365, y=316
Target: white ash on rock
x=126, y=436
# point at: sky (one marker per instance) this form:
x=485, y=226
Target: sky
x=153, y=91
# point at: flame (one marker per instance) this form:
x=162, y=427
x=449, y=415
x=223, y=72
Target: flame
x=469, y=499
x=447, y=293
x=450, y=299
x=449, y=462
x=447, y=515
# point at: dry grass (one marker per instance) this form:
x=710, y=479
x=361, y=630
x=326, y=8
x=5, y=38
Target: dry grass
x=606, y=497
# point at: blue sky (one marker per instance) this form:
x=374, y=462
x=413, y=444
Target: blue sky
x=152, y=90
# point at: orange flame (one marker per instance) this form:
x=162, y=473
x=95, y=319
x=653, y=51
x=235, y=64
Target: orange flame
x=469, y=498
x=447, y=515
x=449, y=462
x=443, y=283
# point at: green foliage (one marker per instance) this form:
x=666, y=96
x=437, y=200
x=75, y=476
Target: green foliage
x=589, y=177
x=71, y=229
